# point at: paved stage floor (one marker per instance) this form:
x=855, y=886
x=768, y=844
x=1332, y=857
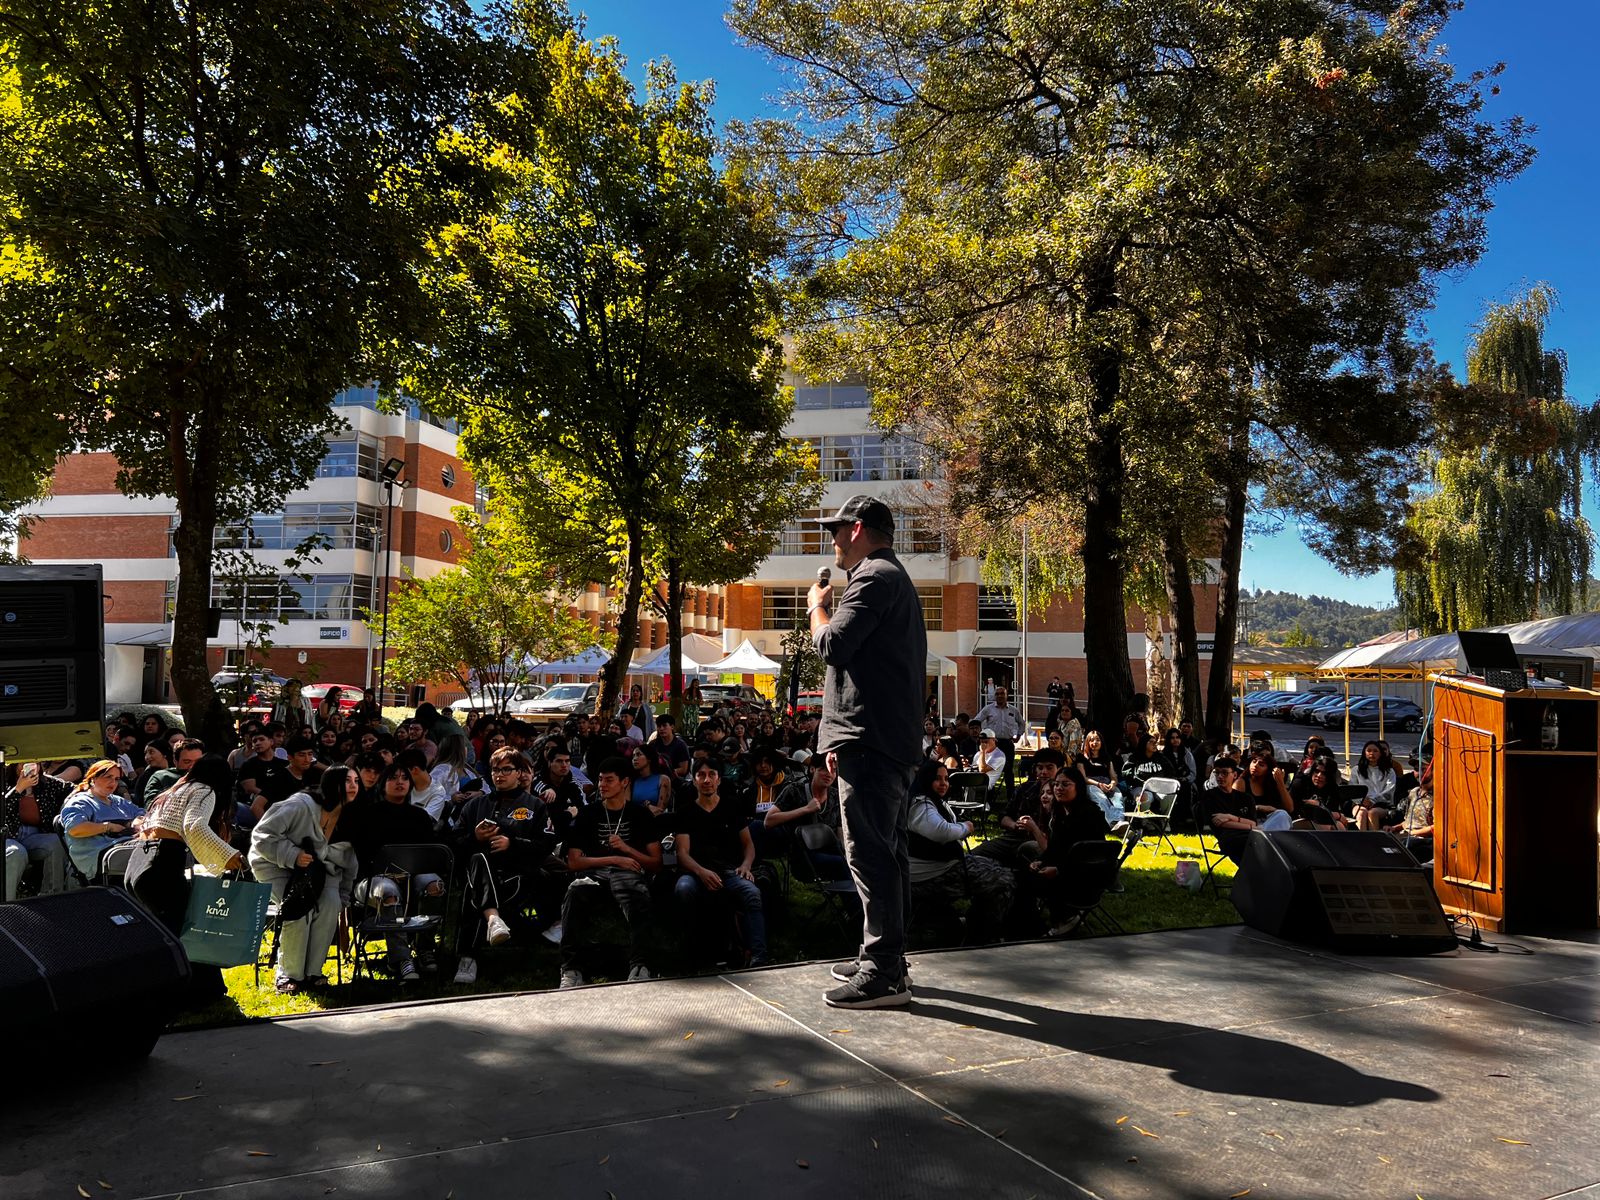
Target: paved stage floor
x=1205, y=1063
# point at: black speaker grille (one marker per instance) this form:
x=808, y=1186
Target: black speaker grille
x=1379, y=903
x=37, y=689
x=96, y=947
x=36, y=616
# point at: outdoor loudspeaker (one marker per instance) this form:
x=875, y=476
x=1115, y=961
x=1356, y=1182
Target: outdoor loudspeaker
x=88, y=973
x=52, y=662
x=1359, y=892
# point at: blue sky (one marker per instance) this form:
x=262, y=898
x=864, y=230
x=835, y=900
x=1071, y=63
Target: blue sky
x=1542, y=227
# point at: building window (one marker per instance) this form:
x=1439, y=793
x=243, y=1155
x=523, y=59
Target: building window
x=290, y=598
x=447, y=476
x=997, y=610
x=831, y=395
x=445, y=541
x=932, y=607
x=783, y=607
x=339, y=526
x=351, y=456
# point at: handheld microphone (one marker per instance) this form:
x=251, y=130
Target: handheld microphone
x=824, y=576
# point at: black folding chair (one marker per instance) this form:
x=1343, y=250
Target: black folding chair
x=817, y=838
x=1085, y=875
x=404, y=862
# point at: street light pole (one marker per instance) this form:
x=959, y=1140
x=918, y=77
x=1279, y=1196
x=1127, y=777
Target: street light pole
x=389, y=476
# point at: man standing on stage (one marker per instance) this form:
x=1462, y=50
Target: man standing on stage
x=876, y=650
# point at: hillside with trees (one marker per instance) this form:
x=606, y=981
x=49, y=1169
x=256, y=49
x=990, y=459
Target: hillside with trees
x=1287, y=619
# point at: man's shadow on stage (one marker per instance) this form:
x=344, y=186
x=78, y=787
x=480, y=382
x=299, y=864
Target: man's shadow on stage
x=1212, y=1060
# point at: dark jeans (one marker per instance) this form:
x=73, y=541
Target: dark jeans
x=745, y=895
x=156, y=879
x=596, y=891
x=873, y=802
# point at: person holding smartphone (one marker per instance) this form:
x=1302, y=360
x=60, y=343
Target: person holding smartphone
x=505, y=836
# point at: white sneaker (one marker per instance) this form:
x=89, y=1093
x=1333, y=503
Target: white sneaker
x=571, y=979
x=467, y=970
x=499, y=931
x=639, y=973
x=553, y=934
x=1066, y=926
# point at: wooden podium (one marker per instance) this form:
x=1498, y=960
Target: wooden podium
x=1515, y=840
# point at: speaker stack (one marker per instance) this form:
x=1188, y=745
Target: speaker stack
x=1357, y=892
x=87, y=968
x=52, y=662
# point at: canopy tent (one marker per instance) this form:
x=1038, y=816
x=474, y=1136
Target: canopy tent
x=746, y=660
x=587, y=663
x=938, y=664
x=698, y=650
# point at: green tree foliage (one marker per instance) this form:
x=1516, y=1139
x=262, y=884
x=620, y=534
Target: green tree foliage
x=741, y=482
x=800, y=661
x=1060, y=231
x=1500, y=537
x=486, y=620
x=608, y=321
x=206, y=208
x=1289, y=619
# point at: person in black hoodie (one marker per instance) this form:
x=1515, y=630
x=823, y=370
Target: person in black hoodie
x=504, y=836
x=1070, y=816
x=391, y=820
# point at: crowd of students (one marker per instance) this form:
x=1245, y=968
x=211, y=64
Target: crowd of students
x=551, y=828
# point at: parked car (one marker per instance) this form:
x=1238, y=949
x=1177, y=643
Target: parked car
x=349, y=694
x=740, y=697
x=497, y=697
x=1253, y=707
x=1397, y=714
x=1279, y=705
x=560, y=702
x=808, y=702
x=1307, y=709
x=248, y=690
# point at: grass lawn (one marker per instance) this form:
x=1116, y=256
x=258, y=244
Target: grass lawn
x=803, y=931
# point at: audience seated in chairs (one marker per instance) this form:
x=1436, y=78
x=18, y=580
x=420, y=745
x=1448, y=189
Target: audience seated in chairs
x=1069, y=816
x=1016, y=846
x=27, y=824
x=1316, y=797
x=942, y=872
x=777, y=799
x=1415, y=827
x=292, y=841
x=369, y=826
x=1374, y=770
x=505, y=838
x=716, y=855
x=96, y=817
x=1231, y=813
x=612, y=849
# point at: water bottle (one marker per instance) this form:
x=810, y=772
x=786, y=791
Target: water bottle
x=1550, y=729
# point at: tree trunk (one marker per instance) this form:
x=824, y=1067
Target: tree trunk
x=674, y=616
x=1157, y=673
x=1219, y=693
x=203, y=712
x=1187, y=697
x=1105, y=610
x=615, y=671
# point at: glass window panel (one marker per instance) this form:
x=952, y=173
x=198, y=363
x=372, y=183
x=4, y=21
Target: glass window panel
x=782, y=607
x=932, y=607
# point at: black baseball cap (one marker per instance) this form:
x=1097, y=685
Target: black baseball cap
x=872, y=513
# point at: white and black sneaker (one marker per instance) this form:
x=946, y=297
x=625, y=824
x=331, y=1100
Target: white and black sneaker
x=870, y=991
x=408, y=972
x=467, y=970
x=846, y=971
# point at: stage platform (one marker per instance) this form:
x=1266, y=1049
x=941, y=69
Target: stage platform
x=1205, y=1063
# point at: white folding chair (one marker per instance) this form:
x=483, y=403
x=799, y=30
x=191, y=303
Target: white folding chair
x=1152, y=811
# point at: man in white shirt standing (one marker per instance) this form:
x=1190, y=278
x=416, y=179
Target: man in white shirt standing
x=1008, y=724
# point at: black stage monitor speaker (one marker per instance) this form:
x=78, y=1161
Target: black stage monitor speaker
x=91, y=961
x=52, y=662
x=1352, y=891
